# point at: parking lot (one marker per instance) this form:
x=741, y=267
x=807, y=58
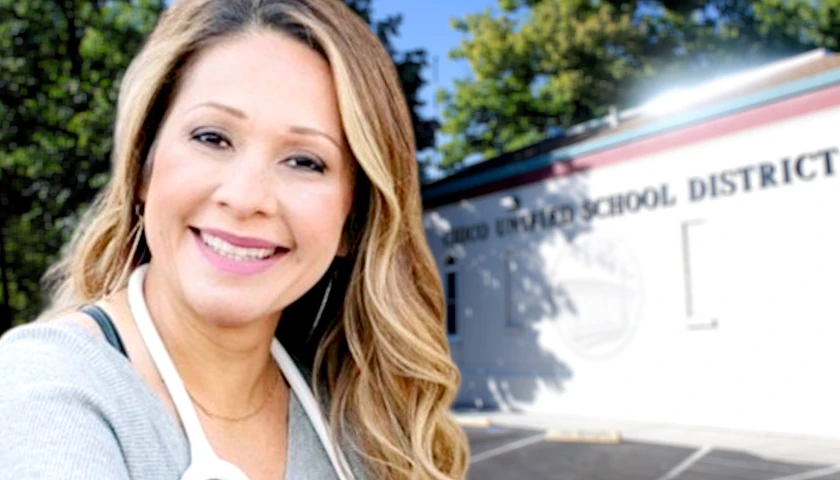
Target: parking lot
x=501, y=453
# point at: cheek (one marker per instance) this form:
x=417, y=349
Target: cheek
x=173, y=190
x=179, y=176
x=320, y=214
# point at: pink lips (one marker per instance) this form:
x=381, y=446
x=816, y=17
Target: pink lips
x=244, y=242
x=237, y=267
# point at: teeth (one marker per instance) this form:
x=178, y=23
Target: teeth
x=233, y=252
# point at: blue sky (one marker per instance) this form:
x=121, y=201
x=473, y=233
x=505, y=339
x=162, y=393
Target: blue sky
x=426, y=25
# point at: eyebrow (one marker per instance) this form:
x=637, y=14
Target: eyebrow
x=301, y=130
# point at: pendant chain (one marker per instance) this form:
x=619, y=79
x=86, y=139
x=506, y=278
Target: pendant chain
x=240, y=418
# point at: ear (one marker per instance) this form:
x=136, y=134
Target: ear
x=143, y=189
x=146, y=173
x=343, y=245
x=348, y=234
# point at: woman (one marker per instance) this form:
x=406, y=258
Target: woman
x=264, y=187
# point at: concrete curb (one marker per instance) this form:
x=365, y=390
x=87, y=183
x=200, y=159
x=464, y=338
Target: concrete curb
x=582, y=436
x=475, y=422
x=551, y=434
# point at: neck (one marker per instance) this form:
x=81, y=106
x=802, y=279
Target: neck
x=225, y=364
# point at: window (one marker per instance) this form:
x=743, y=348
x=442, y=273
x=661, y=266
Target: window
x=699, y=272
x=518, y=290
x=451, y=309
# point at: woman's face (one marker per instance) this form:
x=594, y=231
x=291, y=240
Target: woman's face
x=251, y=182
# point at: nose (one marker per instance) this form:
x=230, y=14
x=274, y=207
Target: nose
x=245, y=189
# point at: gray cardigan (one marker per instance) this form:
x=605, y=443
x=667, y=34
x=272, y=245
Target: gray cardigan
x=72, y=407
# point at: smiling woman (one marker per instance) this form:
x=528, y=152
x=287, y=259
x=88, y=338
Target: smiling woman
x=250, y=185
x=258, y=264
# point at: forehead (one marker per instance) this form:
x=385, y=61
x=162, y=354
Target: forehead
x=273, y=78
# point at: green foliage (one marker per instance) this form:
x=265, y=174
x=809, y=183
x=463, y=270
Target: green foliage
x=542, y=64
x=554, y=64
x=61, y=62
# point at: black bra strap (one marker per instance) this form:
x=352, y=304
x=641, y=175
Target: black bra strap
x=106, y=325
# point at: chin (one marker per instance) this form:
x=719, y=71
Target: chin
x=228, y=309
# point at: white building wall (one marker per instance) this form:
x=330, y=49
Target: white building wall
x=718, y=312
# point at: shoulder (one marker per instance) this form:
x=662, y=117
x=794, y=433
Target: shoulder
x=61, y=360
x=63, y=348
x=52, y=383
x=93, y=416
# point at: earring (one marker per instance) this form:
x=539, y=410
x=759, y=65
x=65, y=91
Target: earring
x=321, y=308
x=138, y=229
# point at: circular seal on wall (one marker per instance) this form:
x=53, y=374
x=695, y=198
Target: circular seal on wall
x=597, y=286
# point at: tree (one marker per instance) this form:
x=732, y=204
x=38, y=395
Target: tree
x=543, y=64
x=61, y=62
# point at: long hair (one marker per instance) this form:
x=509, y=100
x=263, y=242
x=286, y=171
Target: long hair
x=383, y=361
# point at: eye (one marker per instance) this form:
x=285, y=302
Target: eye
x=306, y=162
x=211, y=138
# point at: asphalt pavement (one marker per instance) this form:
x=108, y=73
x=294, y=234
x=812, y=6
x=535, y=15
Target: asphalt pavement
x=506, y=453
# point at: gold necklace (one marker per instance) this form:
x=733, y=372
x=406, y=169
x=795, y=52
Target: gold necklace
x=239, y=418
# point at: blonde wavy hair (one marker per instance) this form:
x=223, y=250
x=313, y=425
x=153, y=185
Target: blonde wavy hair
x=383, y=360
